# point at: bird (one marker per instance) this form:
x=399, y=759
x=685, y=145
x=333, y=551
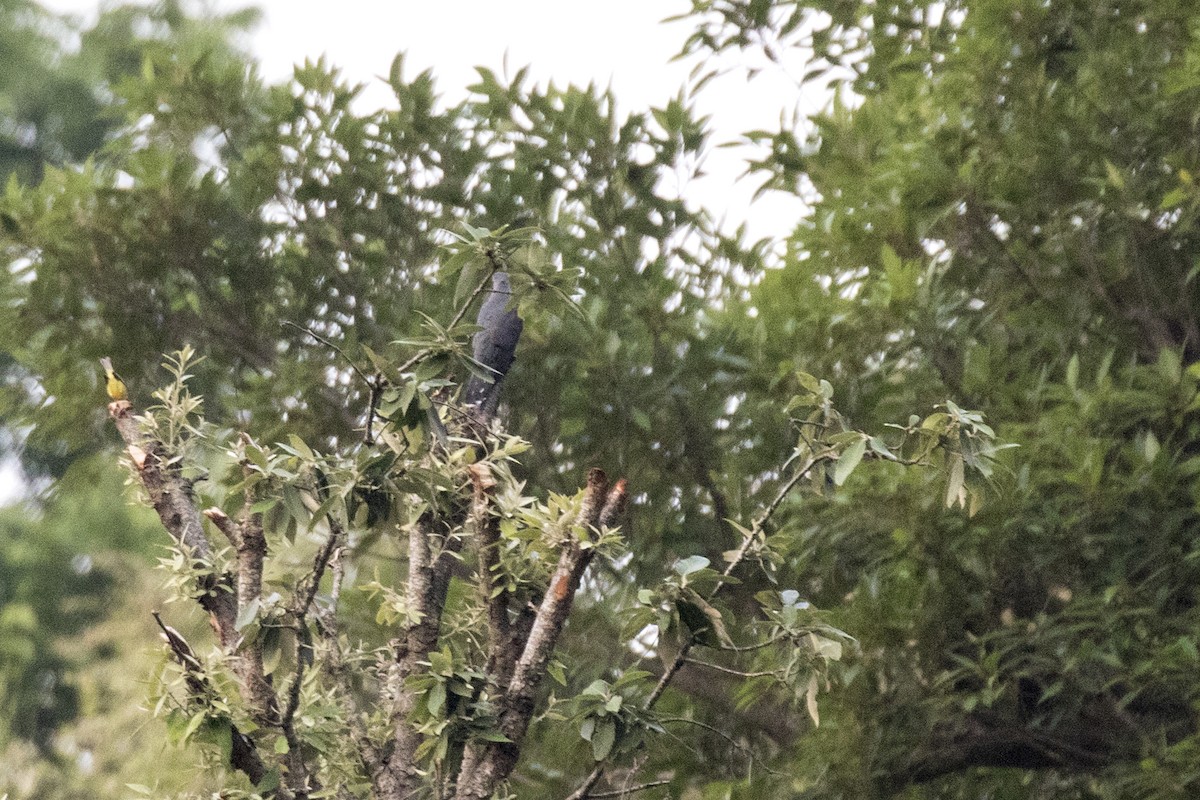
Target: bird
x=113, y=383
x=494, y=345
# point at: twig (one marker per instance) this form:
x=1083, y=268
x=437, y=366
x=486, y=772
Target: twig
x=377, y=383
x=335, y=540
x=457, y=318
x=335, y=666
x=712, y=729
x=305, y=597
x=733, y=648
x=628, y=790
x=737, y=559
x=681, y=658
x=243, y=754
x=289, y=324
x=728, y=670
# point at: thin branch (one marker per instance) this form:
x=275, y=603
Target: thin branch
x=641, y=787
x=305, y=595
x=327, y=627
x=728, y=671
x=739, y=556
x=483, y=284
x=733, y=648
x=377, y=383
x=243, y=755
x=784, y=491
x=303, y=329
x=457, y=318
x=333, y=542
x=682, y=657
x=712, y=729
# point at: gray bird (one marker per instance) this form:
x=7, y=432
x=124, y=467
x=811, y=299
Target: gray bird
x=494, y=345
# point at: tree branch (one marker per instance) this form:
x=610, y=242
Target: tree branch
x=502, y=652
x=491, y=762
x=243, y=755
x=727, y=670
x=428, y=581
x=628, y=790
x=171, y=496
x=335, y=666
x=584, y=790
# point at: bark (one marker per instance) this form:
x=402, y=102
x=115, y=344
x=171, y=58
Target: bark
x=487, y=764
x=222, y=596
x=521, y=641
x=428, y=580
x=171, y=496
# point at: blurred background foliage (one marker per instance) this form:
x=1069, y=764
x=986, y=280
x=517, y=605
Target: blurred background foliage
x=1003, y=213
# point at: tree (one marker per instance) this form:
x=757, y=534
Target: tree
x=256, y=258
x=1005, y=206
x=445, y=708
x=1003, y=213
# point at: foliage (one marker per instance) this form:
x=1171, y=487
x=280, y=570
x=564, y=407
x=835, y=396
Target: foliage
x=1003, y=219
x=1001, y=216
x=452, y=662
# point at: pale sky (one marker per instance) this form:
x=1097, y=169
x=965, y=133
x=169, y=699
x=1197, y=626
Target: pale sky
x=621, y=43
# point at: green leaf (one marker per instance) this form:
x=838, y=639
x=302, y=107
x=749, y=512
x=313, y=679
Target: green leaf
x=247, y=614
x=1173, y=198
x=603, y=739
x=810, y=699
x=468, y=279
x=269, y=782
x=1150, y=447
x=890, y=260
x=848, y=460
x=809, y=382
x=264, y=505
x=1114, y=175
x=197, y=719
x=435, y=701
x=954, y=486
x=686, y=566
x=828, y=649
x=880, y=449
